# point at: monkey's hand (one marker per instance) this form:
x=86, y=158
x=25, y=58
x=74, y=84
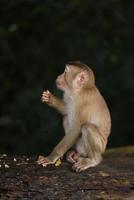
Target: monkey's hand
x=44, y=161
x=47, y=97
x=72, y=156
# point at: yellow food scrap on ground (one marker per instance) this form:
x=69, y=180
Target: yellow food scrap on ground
x=58, y=163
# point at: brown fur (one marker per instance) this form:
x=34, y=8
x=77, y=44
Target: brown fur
x=86, y=118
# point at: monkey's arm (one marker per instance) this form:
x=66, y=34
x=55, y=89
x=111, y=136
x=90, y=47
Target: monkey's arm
x=61, y=148
x=65, y=144
x=58, y=104
x=54, y=101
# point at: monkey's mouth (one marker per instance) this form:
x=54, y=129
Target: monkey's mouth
x=59, y=86
x=58, y=83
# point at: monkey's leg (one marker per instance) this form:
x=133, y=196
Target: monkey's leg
x=72, y=156
x=94, y=146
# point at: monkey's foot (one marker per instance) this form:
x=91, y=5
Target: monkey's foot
x=83, y=164
x=72, y=156
x=44, y=161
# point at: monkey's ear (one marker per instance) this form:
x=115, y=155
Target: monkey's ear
x=81, y=78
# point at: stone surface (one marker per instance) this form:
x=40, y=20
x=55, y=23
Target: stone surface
x=21, y=178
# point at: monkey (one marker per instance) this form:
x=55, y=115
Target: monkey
x=86, y=118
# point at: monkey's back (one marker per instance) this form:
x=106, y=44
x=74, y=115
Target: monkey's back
x=93, y=109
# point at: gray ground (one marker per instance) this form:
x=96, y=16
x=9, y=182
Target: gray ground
x=113, y=179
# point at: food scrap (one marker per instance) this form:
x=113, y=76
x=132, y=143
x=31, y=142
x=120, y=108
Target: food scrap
x=7, y=166
x=58, y=163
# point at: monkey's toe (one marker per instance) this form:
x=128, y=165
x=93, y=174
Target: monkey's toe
x=81, y=165
x=78, y=167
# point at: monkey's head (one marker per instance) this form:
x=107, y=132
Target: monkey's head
x=75, y=76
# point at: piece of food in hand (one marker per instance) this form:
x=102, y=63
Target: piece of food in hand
x=58, y=163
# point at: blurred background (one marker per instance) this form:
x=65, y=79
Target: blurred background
x=37, y=39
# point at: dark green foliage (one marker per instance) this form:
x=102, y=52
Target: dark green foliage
x=37, y=38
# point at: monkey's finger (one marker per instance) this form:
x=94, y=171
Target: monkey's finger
x=40, y=159
x=45, y=99
x=43, y=163
x=70, y=159
x=45, y=96
x=48, y=92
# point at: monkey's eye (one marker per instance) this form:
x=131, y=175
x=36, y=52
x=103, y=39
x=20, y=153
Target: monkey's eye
x=66, y=69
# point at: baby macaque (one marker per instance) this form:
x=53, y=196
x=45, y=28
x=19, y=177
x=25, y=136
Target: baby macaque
x=86, y=118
